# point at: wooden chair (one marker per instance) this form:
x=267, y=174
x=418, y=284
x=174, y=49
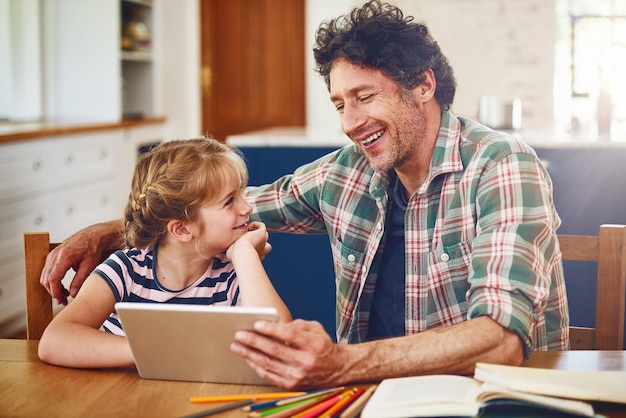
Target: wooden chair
x=37, y=245
x=608, y=250
x=39, y=311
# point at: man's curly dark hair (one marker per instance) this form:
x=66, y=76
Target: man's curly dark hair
x=377, y=35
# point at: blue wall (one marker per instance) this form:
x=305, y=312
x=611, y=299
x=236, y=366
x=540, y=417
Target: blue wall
x=300, y=266
x=589, y=190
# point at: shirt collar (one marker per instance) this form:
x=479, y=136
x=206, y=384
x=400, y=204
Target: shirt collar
x=447, y=153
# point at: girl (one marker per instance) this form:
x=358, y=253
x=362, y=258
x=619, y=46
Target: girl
x=189, y=240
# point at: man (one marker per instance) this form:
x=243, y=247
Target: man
x=443, y=231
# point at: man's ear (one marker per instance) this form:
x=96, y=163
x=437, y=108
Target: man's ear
x=178, y=230
x=426, y=89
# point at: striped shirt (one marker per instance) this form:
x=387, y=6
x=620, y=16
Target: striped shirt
x=480, y=234
x=131, y=275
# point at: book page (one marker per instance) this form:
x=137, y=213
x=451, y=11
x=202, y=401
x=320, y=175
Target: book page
x=490, y=391
x=605, y=386
x=436, y=395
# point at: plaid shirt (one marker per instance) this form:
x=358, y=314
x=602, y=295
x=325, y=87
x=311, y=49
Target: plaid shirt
x=480, y=234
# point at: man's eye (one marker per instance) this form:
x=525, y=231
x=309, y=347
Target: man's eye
x=365, y=97
x=339, y=108
x=229, y=201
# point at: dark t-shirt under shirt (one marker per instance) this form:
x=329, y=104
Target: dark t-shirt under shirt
x=387, y=314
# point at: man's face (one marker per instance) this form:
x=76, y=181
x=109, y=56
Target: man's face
x=376, y=114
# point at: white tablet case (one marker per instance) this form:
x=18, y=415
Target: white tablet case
x=190, y=342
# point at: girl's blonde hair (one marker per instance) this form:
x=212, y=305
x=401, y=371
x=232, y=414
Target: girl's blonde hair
x=172, y=181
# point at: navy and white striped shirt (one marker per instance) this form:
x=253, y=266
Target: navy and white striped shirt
x=131, y=275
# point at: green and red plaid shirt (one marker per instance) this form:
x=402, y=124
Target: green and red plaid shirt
x=480, y=234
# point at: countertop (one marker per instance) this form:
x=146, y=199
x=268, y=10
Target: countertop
x=14, y=132
x=310, y=137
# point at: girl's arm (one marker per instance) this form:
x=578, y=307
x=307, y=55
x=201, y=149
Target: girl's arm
x=74, y=338
x=256, y=288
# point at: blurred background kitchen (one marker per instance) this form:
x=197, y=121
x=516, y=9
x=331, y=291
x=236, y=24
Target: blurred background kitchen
x=85, y=85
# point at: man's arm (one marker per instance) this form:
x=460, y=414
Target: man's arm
x=81, y=252
x=301, y=355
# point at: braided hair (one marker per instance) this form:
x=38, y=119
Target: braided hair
x=172, y=181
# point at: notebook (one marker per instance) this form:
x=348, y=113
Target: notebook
x=190, y=342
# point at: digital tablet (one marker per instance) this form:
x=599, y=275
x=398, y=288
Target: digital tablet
x=190, y=342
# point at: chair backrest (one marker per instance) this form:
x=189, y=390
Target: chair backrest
x=38, y=301
x=608, y=250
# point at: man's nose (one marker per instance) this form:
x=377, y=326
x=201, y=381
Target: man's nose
x=352, y=119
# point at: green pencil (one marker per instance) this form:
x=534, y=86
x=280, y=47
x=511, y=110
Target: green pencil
x=292, y=410
x=275, y=409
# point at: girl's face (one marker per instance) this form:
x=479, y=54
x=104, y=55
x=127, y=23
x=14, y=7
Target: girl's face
x=220, y=223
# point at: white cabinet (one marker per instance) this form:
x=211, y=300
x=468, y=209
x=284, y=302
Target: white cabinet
x=88, y=77
x=137, y=58
x=59, y=185
x=32, y=160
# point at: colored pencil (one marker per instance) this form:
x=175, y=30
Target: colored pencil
x=284, y=401
x=348, y=398
x=311, y=394
x=219, y=409
x=290, y=412
x=355, y=407
x=278, y=408
x=317, y=409
x=243, y=396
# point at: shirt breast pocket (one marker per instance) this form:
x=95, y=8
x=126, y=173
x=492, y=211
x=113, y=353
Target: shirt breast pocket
x=448, y=273
x=348, y=261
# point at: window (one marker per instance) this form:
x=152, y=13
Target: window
x=20, y=60
x=590, y=68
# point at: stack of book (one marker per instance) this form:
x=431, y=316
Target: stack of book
x=497, y=390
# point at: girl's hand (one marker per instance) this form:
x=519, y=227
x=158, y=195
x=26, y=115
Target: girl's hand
x=256, y=237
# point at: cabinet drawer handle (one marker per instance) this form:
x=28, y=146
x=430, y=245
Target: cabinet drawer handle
x=69, y=159
x=104, y=153
x=104, y=200
x=39, y=219
x=69, y=210
x=38, y=164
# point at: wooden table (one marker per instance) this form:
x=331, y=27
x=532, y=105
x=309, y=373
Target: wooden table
x=30, y=388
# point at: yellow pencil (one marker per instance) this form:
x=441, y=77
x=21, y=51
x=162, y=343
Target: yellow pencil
x=310, y=395
x=355, y=407
x=347, y=398
x=240, y=397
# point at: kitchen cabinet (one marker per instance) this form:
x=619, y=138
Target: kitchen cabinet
x=59, y=184
x=137, y=58
x=300, y=266
x=89, y=76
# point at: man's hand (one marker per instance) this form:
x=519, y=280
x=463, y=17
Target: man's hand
x=298, y=354
x=81, y=252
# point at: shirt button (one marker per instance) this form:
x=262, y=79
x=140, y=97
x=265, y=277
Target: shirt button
x=363, y=269
x=351, y=258
x=379, y=226
x=444, y=257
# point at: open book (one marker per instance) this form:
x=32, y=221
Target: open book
x=450, y=395
x=606, y=386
